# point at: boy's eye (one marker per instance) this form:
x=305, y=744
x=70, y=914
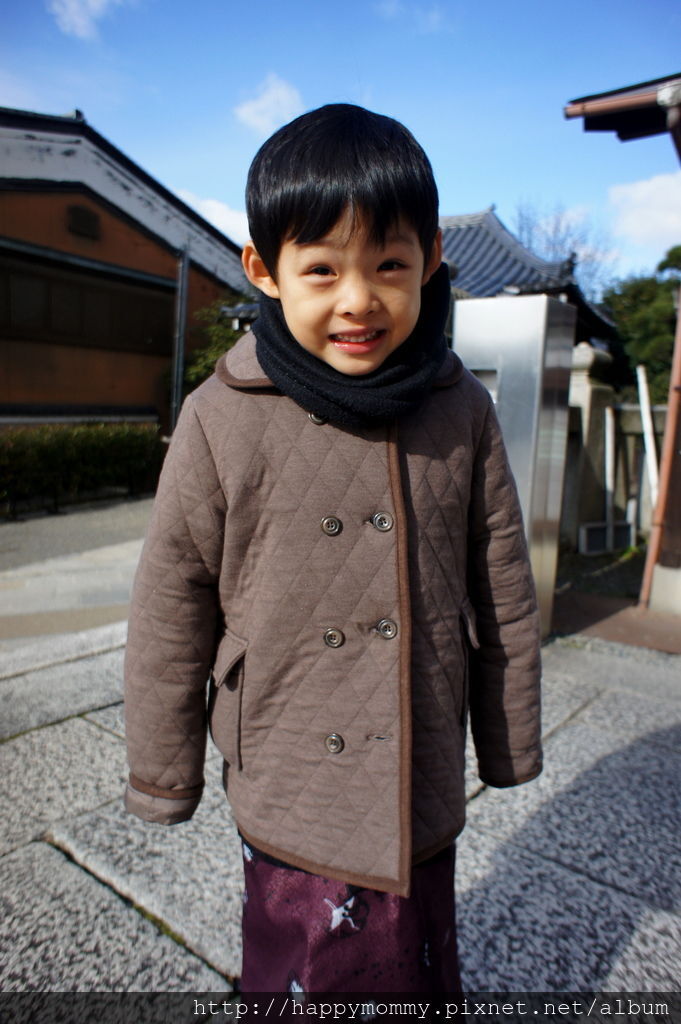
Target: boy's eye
x=321, y=270
x=391, y=265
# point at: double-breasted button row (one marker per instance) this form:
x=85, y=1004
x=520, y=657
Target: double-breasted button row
x=334, y=637
x=334, y=743
x=381, y=521
x=331, y=525
x=387, y=628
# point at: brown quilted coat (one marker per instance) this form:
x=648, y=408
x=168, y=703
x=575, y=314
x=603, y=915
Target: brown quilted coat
x=344, y=647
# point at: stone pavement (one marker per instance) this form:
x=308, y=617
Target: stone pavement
x=68, y=572
x=569, y=883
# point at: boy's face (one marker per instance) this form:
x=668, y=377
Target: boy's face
x=346, y=300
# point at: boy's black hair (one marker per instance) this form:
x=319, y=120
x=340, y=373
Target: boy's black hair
x=338, y=156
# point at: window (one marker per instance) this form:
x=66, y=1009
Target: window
x=82, y=221
x=44, y=303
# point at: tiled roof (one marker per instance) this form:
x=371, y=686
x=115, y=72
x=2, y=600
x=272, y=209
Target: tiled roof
x=489, y=259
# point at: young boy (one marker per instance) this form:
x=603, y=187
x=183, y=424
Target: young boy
x=337, y=540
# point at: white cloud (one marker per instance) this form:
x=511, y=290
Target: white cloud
x=276, y=103
x=389, y=9
x=648, y=212
x=429, y=20
x=232, y=223
x=426, y=19
x=79, y=17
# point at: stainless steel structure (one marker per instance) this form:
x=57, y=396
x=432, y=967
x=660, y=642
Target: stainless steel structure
x=521, y=349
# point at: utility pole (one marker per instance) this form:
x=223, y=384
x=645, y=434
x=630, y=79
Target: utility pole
x=179, y=336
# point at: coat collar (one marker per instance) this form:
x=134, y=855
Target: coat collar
x=239, y=368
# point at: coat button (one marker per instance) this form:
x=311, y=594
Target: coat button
x=317, y=420
x=331, y=525
x=334, y=638
x=383, y=521
x=334, y=743
x=387, y=628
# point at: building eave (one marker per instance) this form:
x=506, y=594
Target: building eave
x=635, y=111
x=58, y=150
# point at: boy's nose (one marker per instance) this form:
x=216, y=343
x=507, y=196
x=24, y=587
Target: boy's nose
x=357, y=297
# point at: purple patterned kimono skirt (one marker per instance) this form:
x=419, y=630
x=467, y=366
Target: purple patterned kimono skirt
x=306, y=933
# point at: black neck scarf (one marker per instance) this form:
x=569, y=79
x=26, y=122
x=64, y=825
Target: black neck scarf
x=397, y=387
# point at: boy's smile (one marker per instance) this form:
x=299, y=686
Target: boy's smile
x=345, y=299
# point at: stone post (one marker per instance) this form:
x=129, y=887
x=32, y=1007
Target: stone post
x=584, y=487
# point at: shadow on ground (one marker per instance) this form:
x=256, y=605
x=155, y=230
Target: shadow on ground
x=584, y=892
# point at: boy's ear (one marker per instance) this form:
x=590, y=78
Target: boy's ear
x=435, y=258
x=256, y=271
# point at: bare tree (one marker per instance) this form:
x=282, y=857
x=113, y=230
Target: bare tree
x=559, y=233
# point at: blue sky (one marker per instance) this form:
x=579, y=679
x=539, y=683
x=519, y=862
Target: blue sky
x=189, y=90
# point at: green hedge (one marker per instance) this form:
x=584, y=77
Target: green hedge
x=51, y=465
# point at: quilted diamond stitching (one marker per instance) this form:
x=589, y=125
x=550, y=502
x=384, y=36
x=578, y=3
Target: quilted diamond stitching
x=241, y=442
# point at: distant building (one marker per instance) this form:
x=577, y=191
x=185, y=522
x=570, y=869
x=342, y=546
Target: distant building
x=489, y=261
x=89, y=246
x=240, y=316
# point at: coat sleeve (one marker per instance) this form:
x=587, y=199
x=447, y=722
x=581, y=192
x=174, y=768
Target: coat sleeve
x=172, y=631
x=505, y=671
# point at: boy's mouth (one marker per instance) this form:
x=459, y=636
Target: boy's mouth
x=352, y=338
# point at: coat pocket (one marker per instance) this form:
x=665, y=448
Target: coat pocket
x=226, y=695
x=468, y=617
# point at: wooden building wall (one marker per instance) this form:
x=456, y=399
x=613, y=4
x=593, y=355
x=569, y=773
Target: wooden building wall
x=75, y=332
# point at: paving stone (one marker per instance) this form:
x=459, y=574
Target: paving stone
x=18, y=629
x=111, y=718
x=562, y=697
x=84, y=526
x=188, y=875
x=573, y=881
x=651, y=960
x=55, y=693
x=53, y=650
x=631, y=717
x=527, y=924
x=62, y=930
x=644, y=671
x=607, y=810
x=102, y=576
x=56, y=772
x=213, y=754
